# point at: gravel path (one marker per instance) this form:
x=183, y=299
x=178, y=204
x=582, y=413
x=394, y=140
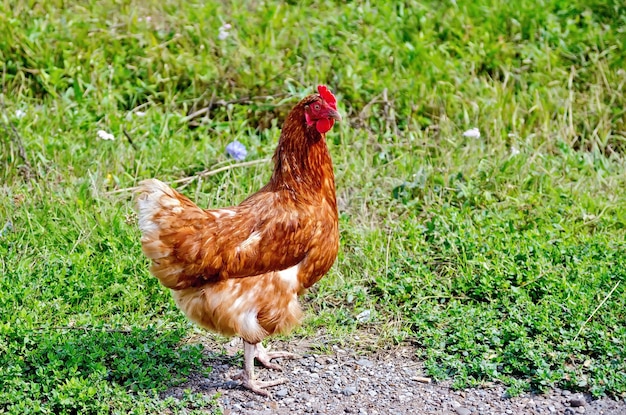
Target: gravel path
x=348, y=381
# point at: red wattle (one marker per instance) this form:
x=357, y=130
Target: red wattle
x=324, y=125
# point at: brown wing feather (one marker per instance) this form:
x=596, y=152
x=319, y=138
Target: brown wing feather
x=190, y=246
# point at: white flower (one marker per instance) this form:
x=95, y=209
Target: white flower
x=20, y=114
x=223, y=34
x=514, y=151
x=130, y=114
x=103, y=135
x=472, y=133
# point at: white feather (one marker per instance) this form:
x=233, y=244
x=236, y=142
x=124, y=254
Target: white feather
x=155, y=196
x=251, y=240
x=290, y=276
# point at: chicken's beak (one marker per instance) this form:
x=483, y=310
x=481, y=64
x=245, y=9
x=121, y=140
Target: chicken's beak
x=334, y=115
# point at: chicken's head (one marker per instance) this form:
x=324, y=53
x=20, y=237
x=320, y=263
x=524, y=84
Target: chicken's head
x=322, y=111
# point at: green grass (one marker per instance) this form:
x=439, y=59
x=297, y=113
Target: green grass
x=489, y=254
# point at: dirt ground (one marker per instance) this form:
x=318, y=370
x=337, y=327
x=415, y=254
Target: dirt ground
x=353, y=381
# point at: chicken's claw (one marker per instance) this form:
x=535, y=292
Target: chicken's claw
x=264, y=356
x=258, y=386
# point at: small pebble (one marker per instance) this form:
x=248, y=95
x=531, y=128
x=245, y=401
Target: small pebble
x=576, y=402
x=282, y=393
x=349, y=391
x=364, y=362
x=462, y=411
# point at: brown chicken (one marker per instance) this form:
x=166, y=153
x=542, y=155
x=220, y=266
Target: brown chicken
x=239, y=270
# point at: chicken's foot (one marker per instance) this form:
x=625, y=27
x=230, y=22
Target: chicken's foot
x=264, y=356
x=258, y=386
x=248, y=379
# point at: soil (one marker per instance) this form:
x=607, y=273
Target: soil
x=353, y=381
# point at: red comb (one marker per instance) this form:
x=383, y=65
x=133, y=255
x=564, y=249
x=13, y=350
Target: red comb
x=327, y=96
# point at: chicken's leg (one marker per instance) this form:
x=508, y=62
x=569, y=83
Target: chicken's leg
x=247, y=377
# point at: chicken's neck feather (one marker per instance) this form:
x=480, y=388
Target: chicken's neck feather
x=302, y=163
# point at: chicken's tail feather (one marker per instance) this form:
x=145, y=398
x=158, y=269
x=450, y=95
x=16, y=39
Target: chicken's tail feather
x=163, y=213
x=156, y=203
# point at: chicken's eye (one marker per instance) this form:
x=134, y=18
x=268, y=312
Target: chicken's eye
x=317, y=107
